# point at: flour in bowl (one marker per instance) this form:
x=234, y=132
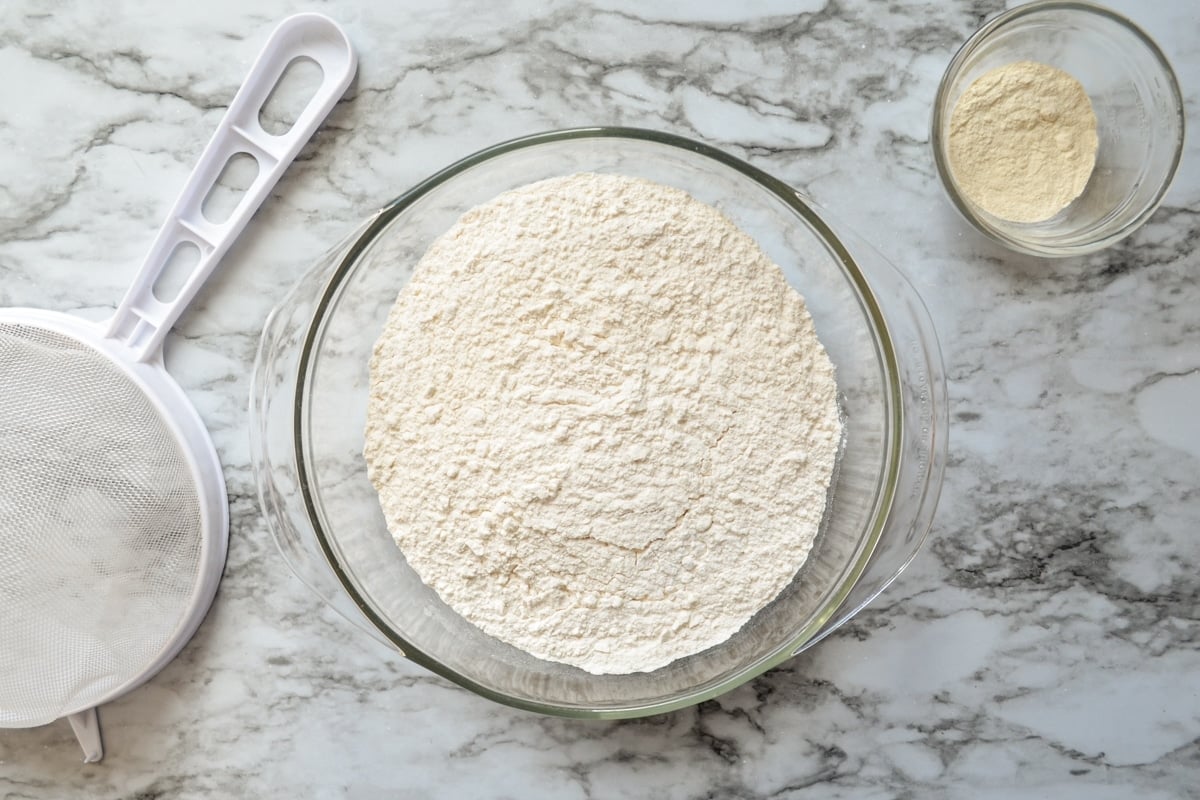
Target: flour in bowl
x=601, y=425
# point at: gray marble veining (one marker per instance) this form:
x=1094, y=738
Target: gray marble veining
x=1045, y=644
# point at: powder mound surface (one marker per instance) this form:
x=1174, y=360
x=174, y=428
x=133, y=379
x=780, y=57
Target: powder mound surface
x=1023, y=141
x=601, y=425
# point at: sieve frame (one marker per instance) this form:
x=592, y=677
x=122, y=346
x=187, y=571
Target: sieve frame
x=180, y=417
x=132, y=338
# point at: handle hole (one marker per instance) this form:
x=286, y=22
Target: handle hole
x=292, y=93
x=182, y=261
x=226, y=193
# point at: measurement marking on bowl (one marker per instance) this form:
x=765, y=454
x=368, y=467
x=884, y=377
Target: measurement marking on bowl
x=926, y=417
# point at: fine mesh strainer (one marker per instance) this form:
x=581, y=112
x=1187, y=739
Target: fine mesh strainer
x=113, y=515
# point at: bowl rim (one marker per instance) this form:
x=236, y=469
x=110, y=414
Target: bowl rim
x=885, y=346
x=940, y=110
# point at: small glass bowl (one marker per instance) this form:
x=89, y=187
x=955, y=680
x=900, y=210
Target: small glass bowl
x=1139, y=115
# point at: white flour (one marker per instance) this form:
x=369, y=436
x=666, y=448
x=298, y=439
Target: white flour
x=601, y=425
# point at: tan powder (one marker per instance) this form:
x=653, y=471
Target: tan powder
x=1023, y=141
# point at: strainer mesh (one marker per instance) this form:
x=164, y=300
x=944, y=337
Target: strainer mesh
x=100, y=528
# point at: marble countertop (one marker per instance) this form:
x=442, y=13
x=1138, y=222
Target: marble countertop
x=1046, y=643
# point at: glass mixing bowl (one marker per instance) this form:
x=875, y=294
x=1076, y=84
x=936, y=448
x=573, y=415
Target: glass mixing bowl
x=1139, y=120
x=309, y=397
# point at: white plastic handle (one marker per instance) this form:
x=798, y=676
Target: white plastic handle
x=142, y=320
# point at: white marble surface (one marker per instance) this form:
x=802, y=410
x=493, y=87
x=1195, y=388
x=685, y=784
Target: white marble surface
x=1045, y=644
